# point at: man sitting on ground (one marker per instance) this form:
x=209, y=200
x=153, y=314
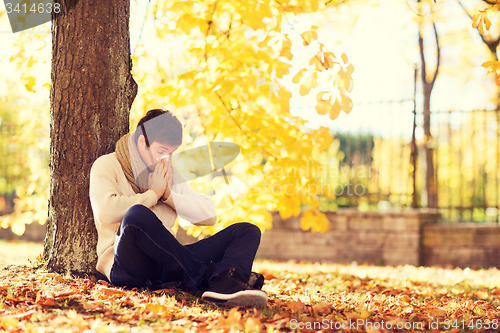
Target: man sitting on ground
x=136, y=197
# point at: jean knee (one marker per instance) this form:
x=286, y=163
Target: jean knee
x=136, y=215
x=249, y=230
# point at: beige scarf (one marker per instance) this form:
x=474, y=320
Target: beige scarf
x=133, y=166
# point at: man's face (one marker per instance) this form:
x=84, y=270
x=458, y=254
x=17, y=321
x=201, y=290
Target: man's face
x=155, y=152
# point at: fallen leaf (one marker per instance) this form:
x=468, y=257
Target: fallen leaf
x=23, y=315
x=92, y=305
x=156, y=308
x=295, y=306
x=45, y=299
x=103, y=283
x=364, y=314
x=373, y=330
x=66, y=294
x=233, y=318
x=252, y=325
x=353, y=315
x=437, y=312
x=112, y=291
x=14, y=300
x=8, y=323
x=322, y=308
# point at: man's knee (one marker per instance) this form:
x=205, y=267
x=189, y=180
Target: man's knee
x=248, y=230
x=136, y=215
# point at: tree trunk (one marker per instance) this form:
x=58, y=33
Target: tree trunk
x=91, y=93
x=428, y=85
x=430, y=177
x=414, y=149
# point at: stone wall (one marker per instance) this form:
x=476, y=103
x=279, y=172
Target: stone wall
x=464, y=245
x=389, y=237
x=35, y=232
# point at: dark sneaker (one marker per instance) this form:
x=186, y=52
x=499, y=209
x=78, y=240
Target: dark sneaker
x=229, y=289
x=256, y=280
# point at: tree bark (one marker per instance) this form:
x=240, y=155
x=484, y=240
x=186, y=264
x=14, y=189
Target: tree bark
x=414, y=149
x=91, y=93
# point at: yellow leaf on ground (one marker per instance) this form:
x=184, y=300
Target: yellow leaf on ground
x=295, y=306
x=252, y=325
x=233, y=318
x=322, y=308
x=437, y=312
x=22, y=315
x=158, y=308
x=112, y=291
x=93, y=305
x=8, y=323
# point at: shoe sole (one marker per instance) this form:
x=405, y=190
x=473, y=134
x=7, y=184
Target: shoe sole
x=254, y=298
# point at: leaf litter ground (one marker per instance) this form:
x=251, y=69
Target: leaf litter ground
x=303, y=297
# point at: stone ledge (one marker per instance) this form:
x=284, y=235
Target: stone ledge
x=35, y=232
x=392, y=237
x=461, y=244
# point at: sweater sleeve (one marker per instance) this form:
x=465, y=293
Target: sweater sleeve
x=109, y=206
x=192, y=206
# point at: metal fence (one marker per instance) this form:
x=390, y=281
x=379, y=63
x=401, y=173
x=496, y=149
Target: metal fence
x=466, y=150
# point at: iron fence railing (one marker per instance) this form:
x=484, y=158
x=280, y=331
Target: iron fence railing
x=466, y=150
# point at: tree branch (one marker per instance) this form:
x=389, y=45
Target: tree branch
x=438, y=54
x=422, y=55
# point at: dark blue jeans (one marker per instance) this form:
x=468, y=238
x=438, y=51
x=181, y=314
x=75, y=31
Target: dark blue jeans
x=146, y=251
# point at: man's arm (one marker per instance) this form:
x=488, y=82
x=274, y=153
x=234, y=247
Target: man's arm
x=192, y=206
x=108, y=205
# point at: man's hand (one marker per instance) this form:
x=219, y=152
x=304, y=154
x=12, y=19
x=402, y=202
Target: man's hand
x=168, y=176
x=156, y=180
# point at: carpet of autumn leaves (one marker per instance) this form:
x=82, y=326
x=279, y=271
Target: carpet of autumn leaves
x=303, y=297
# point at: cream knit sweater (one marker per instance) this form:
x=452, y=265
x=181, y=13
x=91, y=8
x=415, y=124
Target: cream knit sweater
x=111, y=196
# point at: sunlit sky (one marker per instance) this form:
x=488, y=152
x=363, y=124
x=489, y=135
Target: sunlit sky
x=382, y=46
